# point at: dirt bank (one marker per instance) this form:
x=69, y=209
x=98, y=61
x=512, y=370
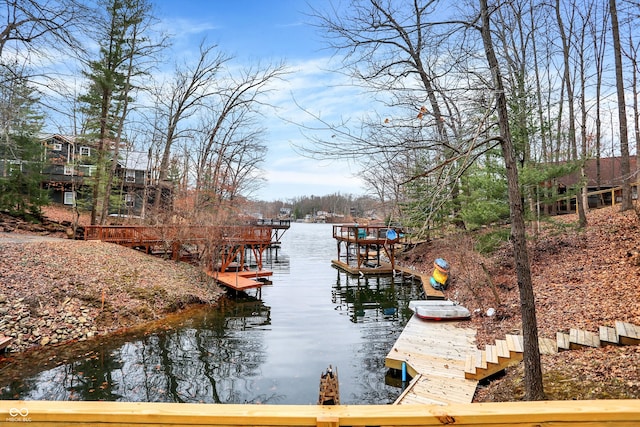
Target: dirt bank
x=582, y=279
x=56, y=290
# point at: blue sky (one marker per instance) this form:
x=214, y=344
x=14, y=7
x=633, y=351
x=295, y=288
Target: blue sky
x=269, y=31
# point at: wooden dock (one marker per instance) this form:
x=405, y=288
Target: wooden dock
x=230, y=246
x=366, y=247
x=434, y=355
x=240, y=280
x=429, y=291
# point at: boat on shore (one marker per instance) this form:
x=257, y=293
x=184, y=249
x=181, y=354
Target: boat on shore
x=437, y=310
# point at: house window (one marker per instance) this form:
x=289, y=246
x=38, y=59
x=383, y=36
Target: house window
x=57, y=146
x=87, y=170
x=130, y=175
x=69, y=197
x=85, y=151
x=129, y=200
x=68, y=169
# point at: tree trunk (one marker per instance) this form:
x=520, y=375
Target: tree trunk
x=532, y=367
x=622, y=111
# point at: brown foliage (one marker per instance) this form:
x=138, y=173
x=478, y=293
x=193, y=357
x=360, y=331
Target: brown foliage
x=582, y=279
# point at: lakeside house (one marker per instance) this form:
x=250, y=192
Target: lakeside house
x=70, y=165
x=601, y=175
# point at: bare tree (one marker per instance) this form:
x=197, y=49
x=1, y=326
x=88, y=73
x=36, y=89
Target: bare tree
x=231, y=149
x=34, y=25
x=569, y=83
x=184, y=96
x=622, y=110
x=533, y=370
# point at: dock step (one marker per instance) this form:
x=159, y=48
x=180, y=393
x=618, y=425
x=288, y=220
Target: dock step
x=563, y=341
x=579, y=338
x=494, y=358
x=4, y=342
x=628, y=333
x=608, y=336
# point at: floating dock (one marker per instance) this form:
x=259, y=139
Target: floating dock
x=434, y=355
x=240, y=280
x=429, y=291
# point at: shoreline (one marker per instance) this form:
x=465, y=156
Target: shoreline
x=56, y=291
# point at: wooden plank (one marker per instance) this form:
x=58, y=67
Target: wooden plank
x=628, y=333
x=591, y=413
x=502, y=349
x=547, y=346
x=469, y=365
x=579, y=338
x=481, y=359
x=4, y=341
x=515, y=344
x=255, y=273
x=562, y=340
x=608, y=335
x=492, y=354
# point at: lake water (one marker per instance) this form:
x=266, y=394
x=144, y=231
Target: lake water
x=270, y=350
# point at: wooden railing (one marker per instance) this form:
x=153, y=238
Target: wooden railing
x=566, y=413
x=133, y=235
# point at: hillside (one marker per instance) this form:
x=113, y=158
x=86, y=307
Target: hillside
x=55, y=290
x=582, y=279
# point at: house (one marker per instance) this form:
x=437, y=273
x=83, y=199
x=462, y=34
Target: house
x=67, y=165
x=70, y=165
x=609, y=178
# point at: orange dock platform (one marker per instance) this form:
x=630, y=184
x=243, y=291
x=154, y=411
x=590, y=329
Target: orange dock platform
x=240, y=280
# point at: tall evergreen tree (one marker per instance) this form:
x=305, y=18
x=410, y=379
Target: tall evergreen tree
x=20, y=150
x=106, y=103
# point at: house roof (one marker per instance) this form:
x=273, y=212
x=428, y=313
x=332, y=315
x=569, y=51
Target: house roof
x=64, y=138
x=610, y=172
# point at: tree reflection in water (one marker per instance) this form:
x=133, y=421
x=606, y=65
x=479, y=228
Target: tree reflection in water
x=243, y=350
x=197, y=360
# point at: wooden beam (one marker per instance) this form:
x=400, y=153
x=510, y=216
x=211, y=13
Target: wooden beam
x=613, y=413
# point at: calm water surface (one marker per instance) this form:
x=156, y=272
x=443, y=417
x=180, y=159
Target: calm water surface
x=248, y=350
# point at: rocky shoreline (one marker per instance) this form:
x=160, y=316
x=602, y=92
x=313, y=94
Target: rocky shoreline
x=48, y=327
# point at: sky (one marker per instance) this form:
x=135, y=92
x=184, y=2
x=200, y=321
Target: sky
x=270, y=31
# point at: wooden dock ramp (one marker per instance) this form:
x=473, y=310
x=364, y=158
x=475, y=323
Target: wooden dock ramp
x=434, y=354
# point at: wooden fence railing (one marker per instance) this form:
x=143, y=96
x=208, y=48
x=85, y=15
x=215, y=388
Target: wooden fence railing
x=545, y=413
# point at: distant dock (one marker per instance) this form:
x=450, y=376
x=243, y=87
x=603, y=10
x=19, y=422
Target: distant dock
x=366, y=249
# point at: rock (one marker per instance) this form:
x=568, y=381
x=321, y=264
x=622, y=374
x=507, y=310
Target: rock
x=44, y=341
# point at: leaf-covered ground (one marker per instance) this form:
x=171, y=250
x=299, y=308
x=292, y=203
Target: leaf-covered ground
x=52, y=291
x=582, y=279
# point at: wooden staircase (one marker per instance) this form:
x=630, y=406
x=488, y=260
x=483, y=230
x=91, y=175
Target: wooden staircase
x=495, y=358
